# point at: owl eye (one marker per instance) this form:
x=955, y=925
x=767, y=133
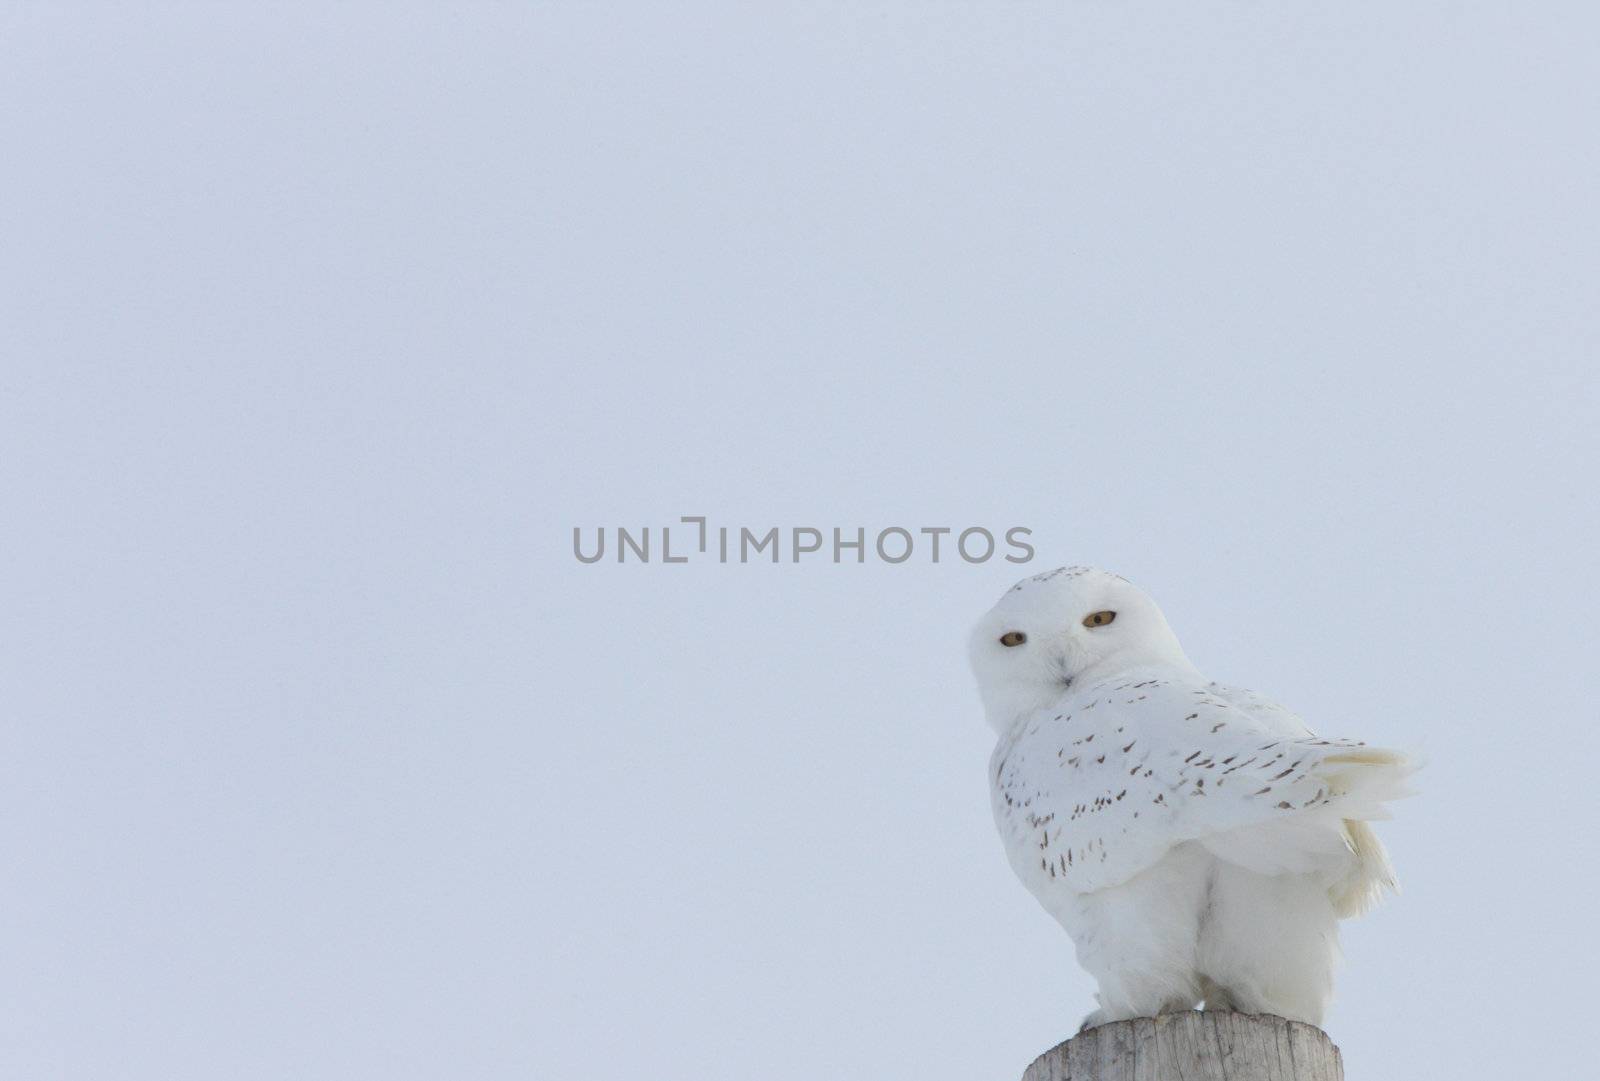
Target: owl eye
x=1099, y=619
x=1013, y=638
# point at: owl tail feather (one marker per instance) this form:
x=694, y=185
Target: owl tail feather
x=1365, y=781
x=1370, y=879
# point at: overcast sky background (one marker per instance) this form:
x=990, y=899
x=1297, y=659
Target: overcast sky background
x=325, y=325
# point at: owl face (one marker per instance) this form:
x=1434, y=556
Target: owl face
x=1062, y=627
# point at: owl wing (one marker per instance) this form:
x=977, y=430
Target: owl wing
x=1091, y=793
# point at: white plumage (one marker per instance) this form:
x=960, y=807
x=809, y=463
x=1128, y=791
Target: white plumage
x=1198, y=842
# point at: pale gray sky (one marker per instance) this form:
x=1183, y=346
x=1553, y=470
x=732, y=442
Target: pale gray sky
x=325, y=325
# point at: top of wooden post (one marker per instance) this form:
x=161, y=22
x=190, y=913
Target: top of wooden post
x=1197, y=1045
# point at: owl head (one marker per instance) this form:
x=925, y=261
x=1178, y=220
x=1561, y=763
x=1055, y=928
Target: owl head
x=1063, y=628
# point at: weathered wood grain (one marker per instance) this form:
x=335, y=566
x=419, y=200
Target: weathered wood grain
x=1194, y=1046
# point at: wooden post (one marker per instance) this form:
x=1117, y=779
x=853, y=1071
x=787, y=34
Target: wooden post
x=1198, y=1045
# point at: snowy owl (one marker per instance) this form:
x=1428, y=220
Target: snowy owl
x=1198, y=842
